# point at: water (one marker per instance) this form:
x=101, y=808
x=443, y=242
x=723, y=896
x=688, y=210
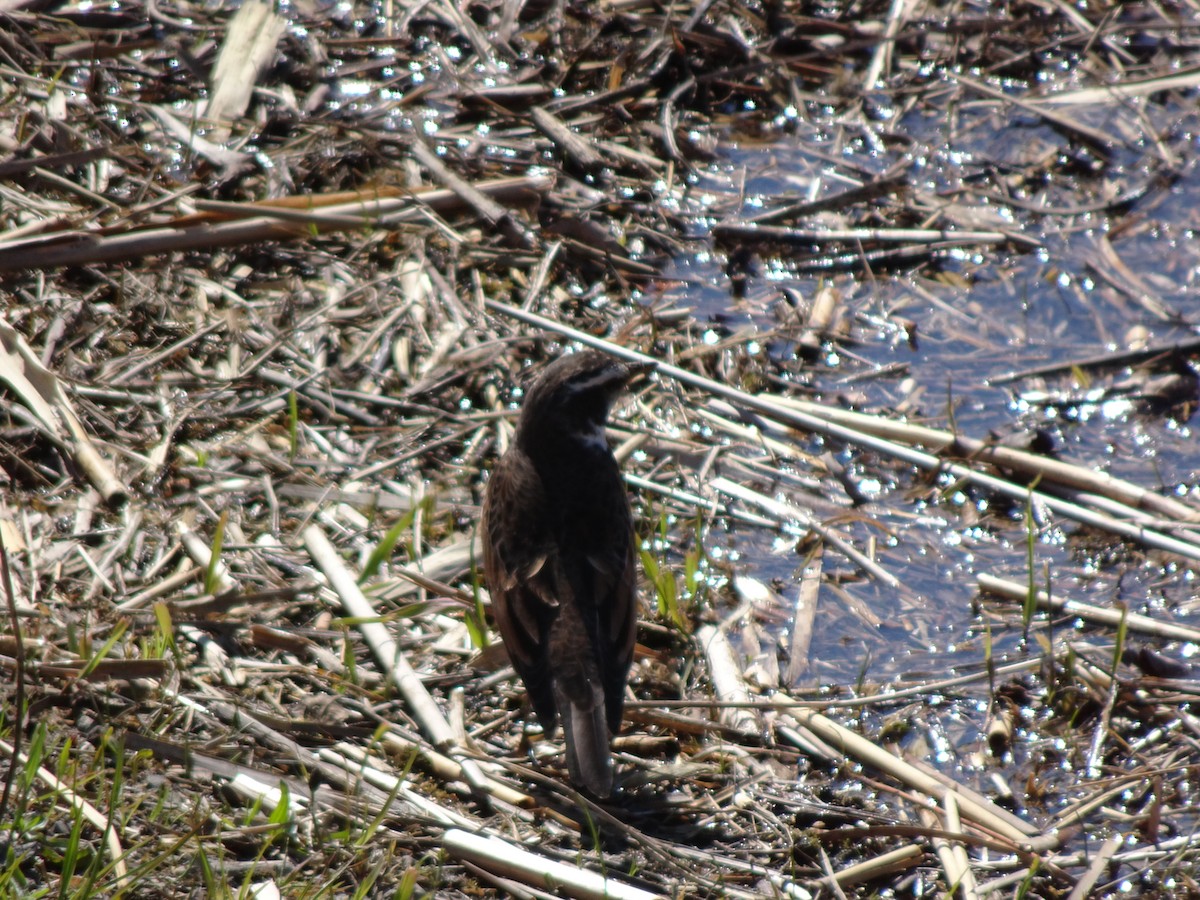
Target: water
x=925, y=340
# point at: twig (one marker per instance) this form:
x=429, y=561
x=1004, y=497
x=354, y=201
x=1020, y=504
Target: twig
x=77, y=248
x=98, y=820
x=1100, y=142
x=248, y=47
x=899, y=860
x=952, y=854
x=573, y=145
x=387, y=652
x=818, y=236
x=881, y=59
x=992, y=818
x=491, y=211
x=357, y=762
x=927, y=461
x=511, y=861
x=727, y=679
x=18, y=713
x=1126, y=89
x=1083, y=887
x=1119, y=359
x=1032, y=465
x=39, y=389
x=1136, y=622
x=885, y=184
x=803, y=615
x=788, y=511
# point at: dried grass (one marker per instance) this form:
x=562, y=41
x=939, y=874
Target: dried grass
x=256, y=371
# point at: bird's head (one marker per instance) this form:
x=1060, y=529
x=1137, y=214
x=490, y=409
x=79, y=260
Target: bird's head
x=573, y=396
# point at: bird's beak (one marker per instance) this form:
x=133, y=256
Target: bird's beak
x=635, y=370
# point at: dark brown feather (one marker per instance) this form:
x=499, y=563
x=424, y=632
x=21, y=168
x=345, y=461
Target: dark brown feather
x=559, y=560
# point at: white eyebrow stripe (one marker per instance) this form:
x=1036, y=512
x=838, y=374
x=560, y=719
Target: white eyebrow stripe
x=600, y=379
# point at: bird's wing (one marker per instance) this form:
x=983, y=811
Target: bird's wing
x=518, y=566
x=613, y=561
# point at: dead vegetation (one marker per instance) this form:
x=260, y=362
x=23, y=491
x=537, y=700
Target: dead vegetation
x=271, y=280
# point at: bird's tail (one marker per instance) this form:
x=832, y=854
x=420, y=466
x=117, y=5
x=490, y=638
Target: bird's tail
x=585, y=732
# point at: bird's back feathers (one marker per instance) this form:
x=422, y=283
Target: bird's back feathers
x=559, y=561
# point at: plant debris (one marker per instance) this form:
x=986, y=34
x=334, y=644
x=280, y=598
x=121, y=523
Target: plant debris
x=915, y=480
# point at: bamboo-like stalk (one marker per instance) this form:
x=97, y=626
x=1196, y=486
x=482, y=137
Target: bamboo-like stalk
x=901, y=858
x=41, y=392
x=1083, y=887
x=1030, y=465
x=265, y=222
x=726, y=677
x=358, y=763
x=804, y=613
x=511, y=861
x=787, y=511
x=952, y=854
x=986, y=815
x=387, y=652
x=1143, y=624
x=927, y=461
x=448, y=768
x=109, y=829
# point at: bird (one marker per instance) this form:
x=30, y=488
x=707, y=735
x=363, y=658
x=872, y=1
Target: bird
x=559, y=558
